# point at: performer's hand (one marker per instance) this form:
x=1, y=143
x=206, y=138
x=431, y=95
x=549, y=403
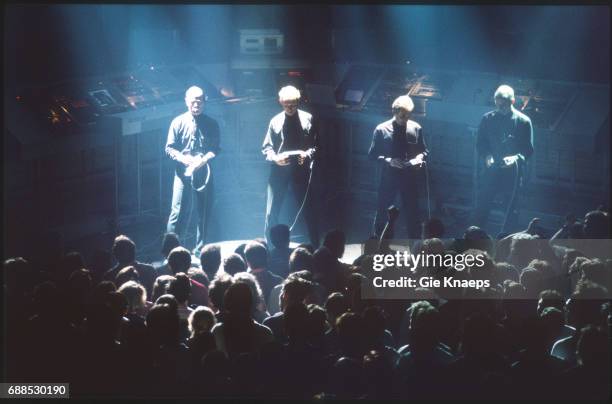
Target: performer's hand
x=302, y=157
x=397, y=163
x=489, y=161
x=509, y=160
x=186, y=160
x=281, y=159
x=190, y=166
x=392, y=213
x=203, y=161
x=417, y=161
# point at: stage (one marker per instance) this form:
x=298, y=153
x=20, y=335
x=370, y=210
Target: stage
x=351, y=252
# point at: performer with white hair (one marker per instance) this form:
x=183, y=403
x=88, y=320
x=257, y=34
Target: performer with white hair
x=399, y=146
x=290, y=145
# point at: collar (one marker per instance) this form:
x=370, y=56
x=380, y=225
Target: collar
x=394, y=125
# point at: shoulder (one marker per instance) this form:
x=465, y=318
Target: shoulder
x=488, y=115
x=384, y=126
x=413, y=125
x=304, y=115
x=278, y=118
x=275, y=277
x=562, y=348
x=521, y=117
x=181, y=119
x=217, y=329
x=145, y=266
x=272, y=319
x=277, y=287
x=262, y=329
x=562, y=342
x=218, y=334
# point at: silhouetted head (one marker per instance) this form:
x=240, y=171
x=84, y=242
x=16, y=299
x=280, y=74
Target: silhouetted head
x=234, y=264
x=179, y=260
x=135, y=294
x=300, y=259
x=170, y=241
x=160, y=286
x=238, y=300
x=180, y=288
x=124, y=250
x=163, y=323
x=128, y=273
x=201, y=320
x=335, y=240
x=596, y=225
x=256, y=255
x=550, y=298
x=217, y=290
x=210, y=259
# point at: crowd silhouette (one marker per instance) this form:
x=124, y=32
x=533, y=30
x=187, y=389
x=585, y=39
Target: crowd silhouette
x=270, y=321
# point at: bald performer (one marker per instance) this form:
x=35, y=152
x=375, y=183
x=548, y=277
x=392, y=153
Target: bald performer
x=193, y=142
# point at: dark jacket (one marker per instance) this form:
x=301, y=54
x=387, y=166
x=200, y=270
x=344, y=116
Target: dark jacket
x=184, y=136
x=505, y=135
x=387, y=143
x=274, y=139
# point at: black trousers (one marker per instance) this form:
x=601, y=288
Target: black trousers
x=406, y=182
x=182, y=207
x=493, y=182
x=281, y=177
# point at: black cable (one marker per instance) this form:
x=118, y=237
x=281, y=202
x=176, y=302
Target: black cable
x=514, y=190
x=427, y=191
x=305, y=195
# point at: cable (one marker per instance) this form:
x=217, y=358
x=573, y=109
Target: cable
x=514, y=191
x=305, y=195
x=427, y=191
x=202, y=187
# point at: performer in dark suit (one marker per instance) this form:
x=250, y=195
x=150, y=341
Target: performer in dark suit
x=290, y=145
x=398, y=145
x=193, y=141
x=504, y=142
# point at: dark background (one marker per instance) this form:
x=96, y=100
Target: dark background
x=52, y=42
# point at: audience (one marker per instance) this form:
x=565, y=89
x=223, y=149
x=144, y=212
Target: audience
x=258, y=311
x=169, y=242
x=201, y=341
x=271, y=322
x=234, y=264
x=210, y=259
x=294, y=290
x=217, y=290
x=124, y=252
x=256, y=255
x=179, y=260
x=238, y=332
